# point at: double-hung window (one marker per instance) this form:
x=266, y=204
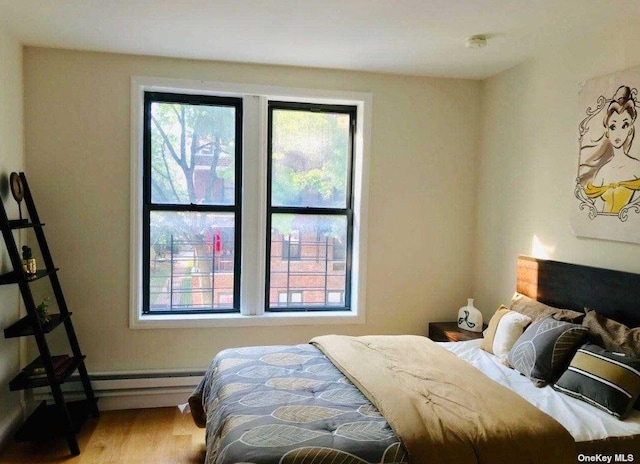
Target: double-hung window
x=192, y=203
x=248, y=204
x=309, y=204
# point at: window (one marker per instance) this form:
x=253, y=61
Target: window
x=225, y=298
x=248, y=204
x=286, y=298
x=290, y=245
x=335, y=298
x=309, y=202
x=191, y=215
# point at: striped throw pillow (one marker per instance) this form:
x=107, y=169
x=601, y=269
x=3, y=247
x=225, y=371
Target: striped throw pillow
x=607, y=380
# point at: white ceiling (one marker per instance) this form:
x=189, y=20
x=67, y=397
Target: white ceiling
x=415, y=37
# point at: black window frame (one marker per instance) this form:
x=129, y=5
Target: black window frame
x=148, y=206
x=347, y=211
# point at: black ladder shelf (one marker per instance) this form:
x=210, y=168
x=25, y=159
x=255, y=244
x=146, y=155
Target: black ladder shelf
x=62, y=416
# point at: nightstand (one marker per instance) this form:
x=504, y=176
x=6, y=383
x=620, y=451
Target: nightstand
x=450, y=332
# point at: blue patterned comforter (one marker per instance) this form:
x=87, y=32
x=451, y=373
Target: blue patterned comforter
x=288, y=405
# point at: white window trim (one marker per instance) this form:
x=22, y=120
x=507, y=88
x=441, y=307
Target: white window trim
x=255, y=98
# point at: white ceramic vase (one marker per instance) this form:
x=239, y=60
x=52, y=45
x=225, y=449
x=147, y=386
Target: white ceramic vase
x=470, y=317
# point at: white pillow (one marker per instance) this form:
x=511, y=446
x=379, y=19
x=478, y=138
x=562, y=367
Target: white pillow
x=509, y=330
x=504, y=330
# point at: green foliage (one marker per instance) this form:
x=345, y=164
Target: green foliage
x=42, y=312
x=184, y=136
x=161, y=242
x=282, y=223
x=321, y=226
x=310, y=152
x=310, y=156
x=180, y=135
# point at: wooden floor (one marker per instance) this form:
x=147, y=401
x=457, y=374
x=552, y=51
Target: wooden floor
x=136, y=436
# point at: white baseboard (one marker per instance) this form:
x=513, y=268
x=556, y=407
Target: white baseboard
x=109, y=403
x=9, y=424
x=132, y=390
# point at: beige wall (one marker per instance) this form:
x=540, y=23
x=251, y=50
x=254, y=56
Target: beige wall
x=529, y=154
x=11, y=159
x=421, y=206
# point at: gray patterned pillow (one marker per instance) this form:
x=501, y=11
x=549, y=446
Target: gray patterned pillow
x=543, y=351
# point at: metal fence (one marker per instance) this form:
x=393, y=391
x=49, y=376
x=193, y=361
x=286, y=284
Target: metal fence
x=191, y=275
x=195, y=275
x=309, y=273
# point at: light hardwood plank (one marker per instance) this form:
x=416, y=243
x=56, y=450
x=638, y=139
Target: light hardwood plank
x=157, y=436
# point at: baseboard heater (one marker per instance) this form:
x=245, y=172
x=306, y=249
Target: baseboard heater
x=128, y=390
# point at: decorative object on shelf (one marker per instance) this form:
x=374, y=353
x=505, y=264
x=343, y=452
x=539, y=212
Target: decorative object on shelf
x=17, y=190
x=470, y=317
x=41, y=309
x=36, y=369
x=28, y=261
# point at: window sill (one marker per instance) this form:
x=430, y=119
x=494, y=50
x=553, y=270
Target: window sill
x=199, y=321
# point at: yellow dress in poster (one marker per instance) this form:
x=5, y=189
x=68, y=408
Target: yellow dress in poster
x=615, y=195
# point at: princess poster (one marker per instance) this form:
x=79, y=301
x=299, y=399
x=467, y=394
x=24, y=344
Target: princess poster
x=607, y=185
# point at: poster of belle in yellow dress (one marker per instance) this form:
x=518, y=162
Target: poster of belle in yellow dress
x=608, y=179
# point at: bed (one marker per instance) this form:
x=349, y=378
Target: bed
x=406, y=399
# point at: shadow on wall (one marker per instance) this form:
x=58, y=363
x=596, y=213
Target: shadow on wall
x=4, y=197
x=4, y=185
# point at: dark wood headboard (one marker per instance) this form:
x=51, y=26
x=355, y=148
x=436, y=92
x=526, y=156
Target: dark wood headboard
x=614, y=294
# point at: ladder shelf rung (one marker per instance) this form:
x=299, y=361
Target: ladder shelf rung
x=14, y=277
x=23, y=327
x=22, y=224
x=26, y=379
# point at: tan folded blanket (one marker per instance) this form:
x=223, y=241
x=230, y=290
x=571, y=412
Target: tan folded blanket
x=443, y=409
